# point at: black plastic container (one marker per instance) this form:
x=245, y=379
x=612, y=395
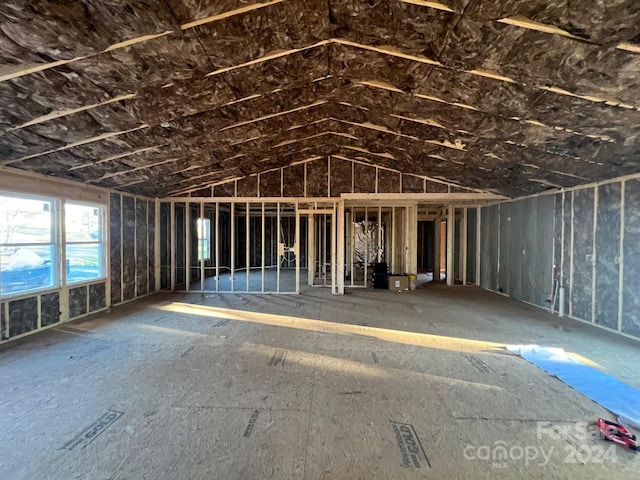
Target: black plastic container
x=380, y=275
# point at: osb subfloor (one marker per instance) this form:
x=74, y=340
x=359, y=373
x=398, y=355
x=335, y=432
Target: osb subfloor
x=190, y=386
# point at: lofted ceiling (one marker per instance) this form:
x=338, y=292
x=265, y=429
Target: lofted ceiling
x=157, y=97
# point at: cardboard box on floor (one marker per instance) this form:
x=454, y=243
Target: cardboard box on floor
x=398, y=282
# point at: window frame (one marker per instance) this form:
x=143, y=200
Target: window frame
x=205, y=239
x=100, y=242
x=53, y=244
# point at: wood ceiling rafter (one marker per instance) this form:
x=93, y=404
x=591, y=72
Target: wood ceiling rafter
x=381, y=50
x=380, y=130
x=10, y=73
x=348, y=149
x=85, y=141
x=425, y=85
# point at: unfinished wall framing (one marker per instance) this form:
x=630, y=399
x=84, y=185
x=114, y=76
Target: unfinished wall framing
x=589, y=233
x=250, y=246
x=27, y=313
x=132, y=225
x=325, y=177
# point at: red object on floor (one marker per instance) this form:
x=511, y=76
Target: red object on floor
x=617, y=433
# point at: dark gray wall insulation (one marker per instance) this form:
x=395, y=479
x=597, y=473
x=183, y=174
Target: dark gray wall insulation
x=142, y=274
x=471, y=245
x=165, y=245
x=128, y=248
x=50, y=308
x=565, y=278
x=456, y=249
x=317, y=182
x=23, y=316
x=582, y=287
x=194, y=214
x=560, y=228
x=529, y=255
x=435, y=187
x=526, y=249
x=340, y=177
x=151, y=241
x=324, y=177
x=544, y=250
x=4, y=324
x=631, y=252
x=271, y=184
x=97, y=296
x=411, y=184
x=77, y=301
x=515, y=225
x=293, y=187
x=504, y=252
x=181, y=241
x=248, y=186
x=132, y=249
x=557, y=232
x=115, y=247
x=608, y=255
x=489, y=247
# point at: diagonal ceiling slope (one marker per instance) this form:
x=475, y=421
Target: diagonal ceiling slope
x=157, y=97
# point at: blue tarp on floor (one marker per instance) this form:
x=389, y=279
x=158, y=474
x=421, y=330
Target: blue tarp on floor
x=606, y=390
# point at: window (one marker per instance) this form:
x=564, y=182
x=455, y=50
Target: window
x=27, y=243
x=204, y=239
x=83, y=242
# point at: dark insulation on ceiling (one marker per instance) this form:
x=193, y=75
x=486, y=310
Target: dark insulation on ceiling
x=152, y=96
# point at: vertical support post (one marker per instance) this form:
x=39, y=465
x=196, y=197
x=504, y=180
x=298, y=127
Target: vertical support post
x=450, y=243
x=305, y=179
x=59, y=214
x=329, y=176
x=463, y=235
x=340, y=223
x=413, y=241
x=323, y=249
x=352, y=242
x=248, y=243
x=217, y=246
x=263, y=248
x=187, y=245
x=436, y=247
x=233, y=246
x=105, y=229
x=156, y=247
x=208, y=235
x=311, y=259
x=173, y=246
x=353, y=177
x=379, y=224
x=393, y=240
x=366, y=238
x=334, y=269
x=278, y=249
x=478, y=240
x=296, y=248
